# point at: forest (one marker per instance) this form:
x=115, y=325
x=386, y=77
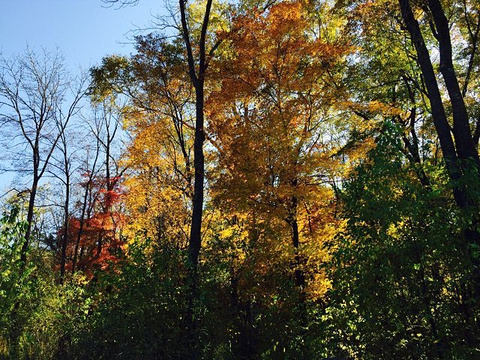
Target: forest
x=260, y=179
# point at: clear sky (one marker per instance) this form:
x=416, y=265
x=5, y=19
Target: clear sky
x=83, y=30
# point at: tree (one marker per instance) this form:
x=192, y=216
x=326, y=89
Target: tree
x=271, y=117
x=398, y=57
x=463, y=148
x=197, y=60
x=160, y=121
x=90, y=169
x=38, y=101
x=98, y=225
x=398, y=274
x=65, y=166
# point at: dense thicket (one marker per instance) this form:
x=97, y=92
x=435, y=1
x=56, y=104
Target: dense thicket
x=264, y=180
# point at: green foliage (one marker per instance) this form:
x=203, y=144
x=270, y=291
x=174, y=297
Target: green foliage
x=12, y=281
x=60, y=311
x=251, y=308
x=109, y=78
x=401, y=267
x=36, y=314
x=138, y=310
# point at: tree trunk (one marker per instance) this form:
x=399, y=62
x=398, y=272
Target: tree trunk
x=295, y=237
x=461, y=128
x=28, y=232
x=292, y=220
x=438, y=111
x=464, y=148
x=199, y=166
x=197, y=77
x=82, y=222
x=65, y=229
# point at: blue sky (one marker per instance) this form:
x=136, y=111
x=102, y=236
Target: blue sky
x=83, y=30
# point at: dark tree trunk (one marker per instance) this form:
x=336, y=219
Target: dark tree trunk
x=295, y=236
x=460, y=157
x=461, y=128
x=197, y=77
x=440, y=121
x=63, y=259
x=292, y=220
x=199, y=166
x=28, y=232
x=82, y=223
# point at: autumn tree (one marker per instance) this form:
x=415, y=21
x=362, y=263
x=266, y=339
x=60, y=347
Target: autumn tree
x=98, y=220
x=89, y=166
x=160, y=155
x=199, y=49
x=271, y=117
x=197, y=58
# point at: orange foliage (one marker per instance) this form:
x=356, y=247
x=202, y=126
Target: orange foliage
x=270, y=118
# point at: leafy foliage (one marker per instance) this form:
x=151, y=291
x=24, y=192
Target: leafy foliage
x=336, y=218
x=402, y=270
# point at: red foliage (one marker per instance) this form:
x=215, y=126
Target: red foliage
x=95, y=241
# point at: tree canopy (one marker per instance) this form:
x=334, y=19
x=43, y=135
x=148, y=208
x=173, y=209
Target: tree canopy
x=293, y=179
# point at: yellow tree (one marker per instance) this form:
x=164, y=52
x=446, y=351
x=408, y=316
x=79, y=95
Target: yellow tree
x=160, y=155
x=271, y=118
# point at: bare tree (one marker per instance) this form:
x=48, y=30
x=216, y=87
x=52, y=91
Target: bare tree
x=62, y=169
x=90, y=168
x=37, y=101
x=106, y=129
